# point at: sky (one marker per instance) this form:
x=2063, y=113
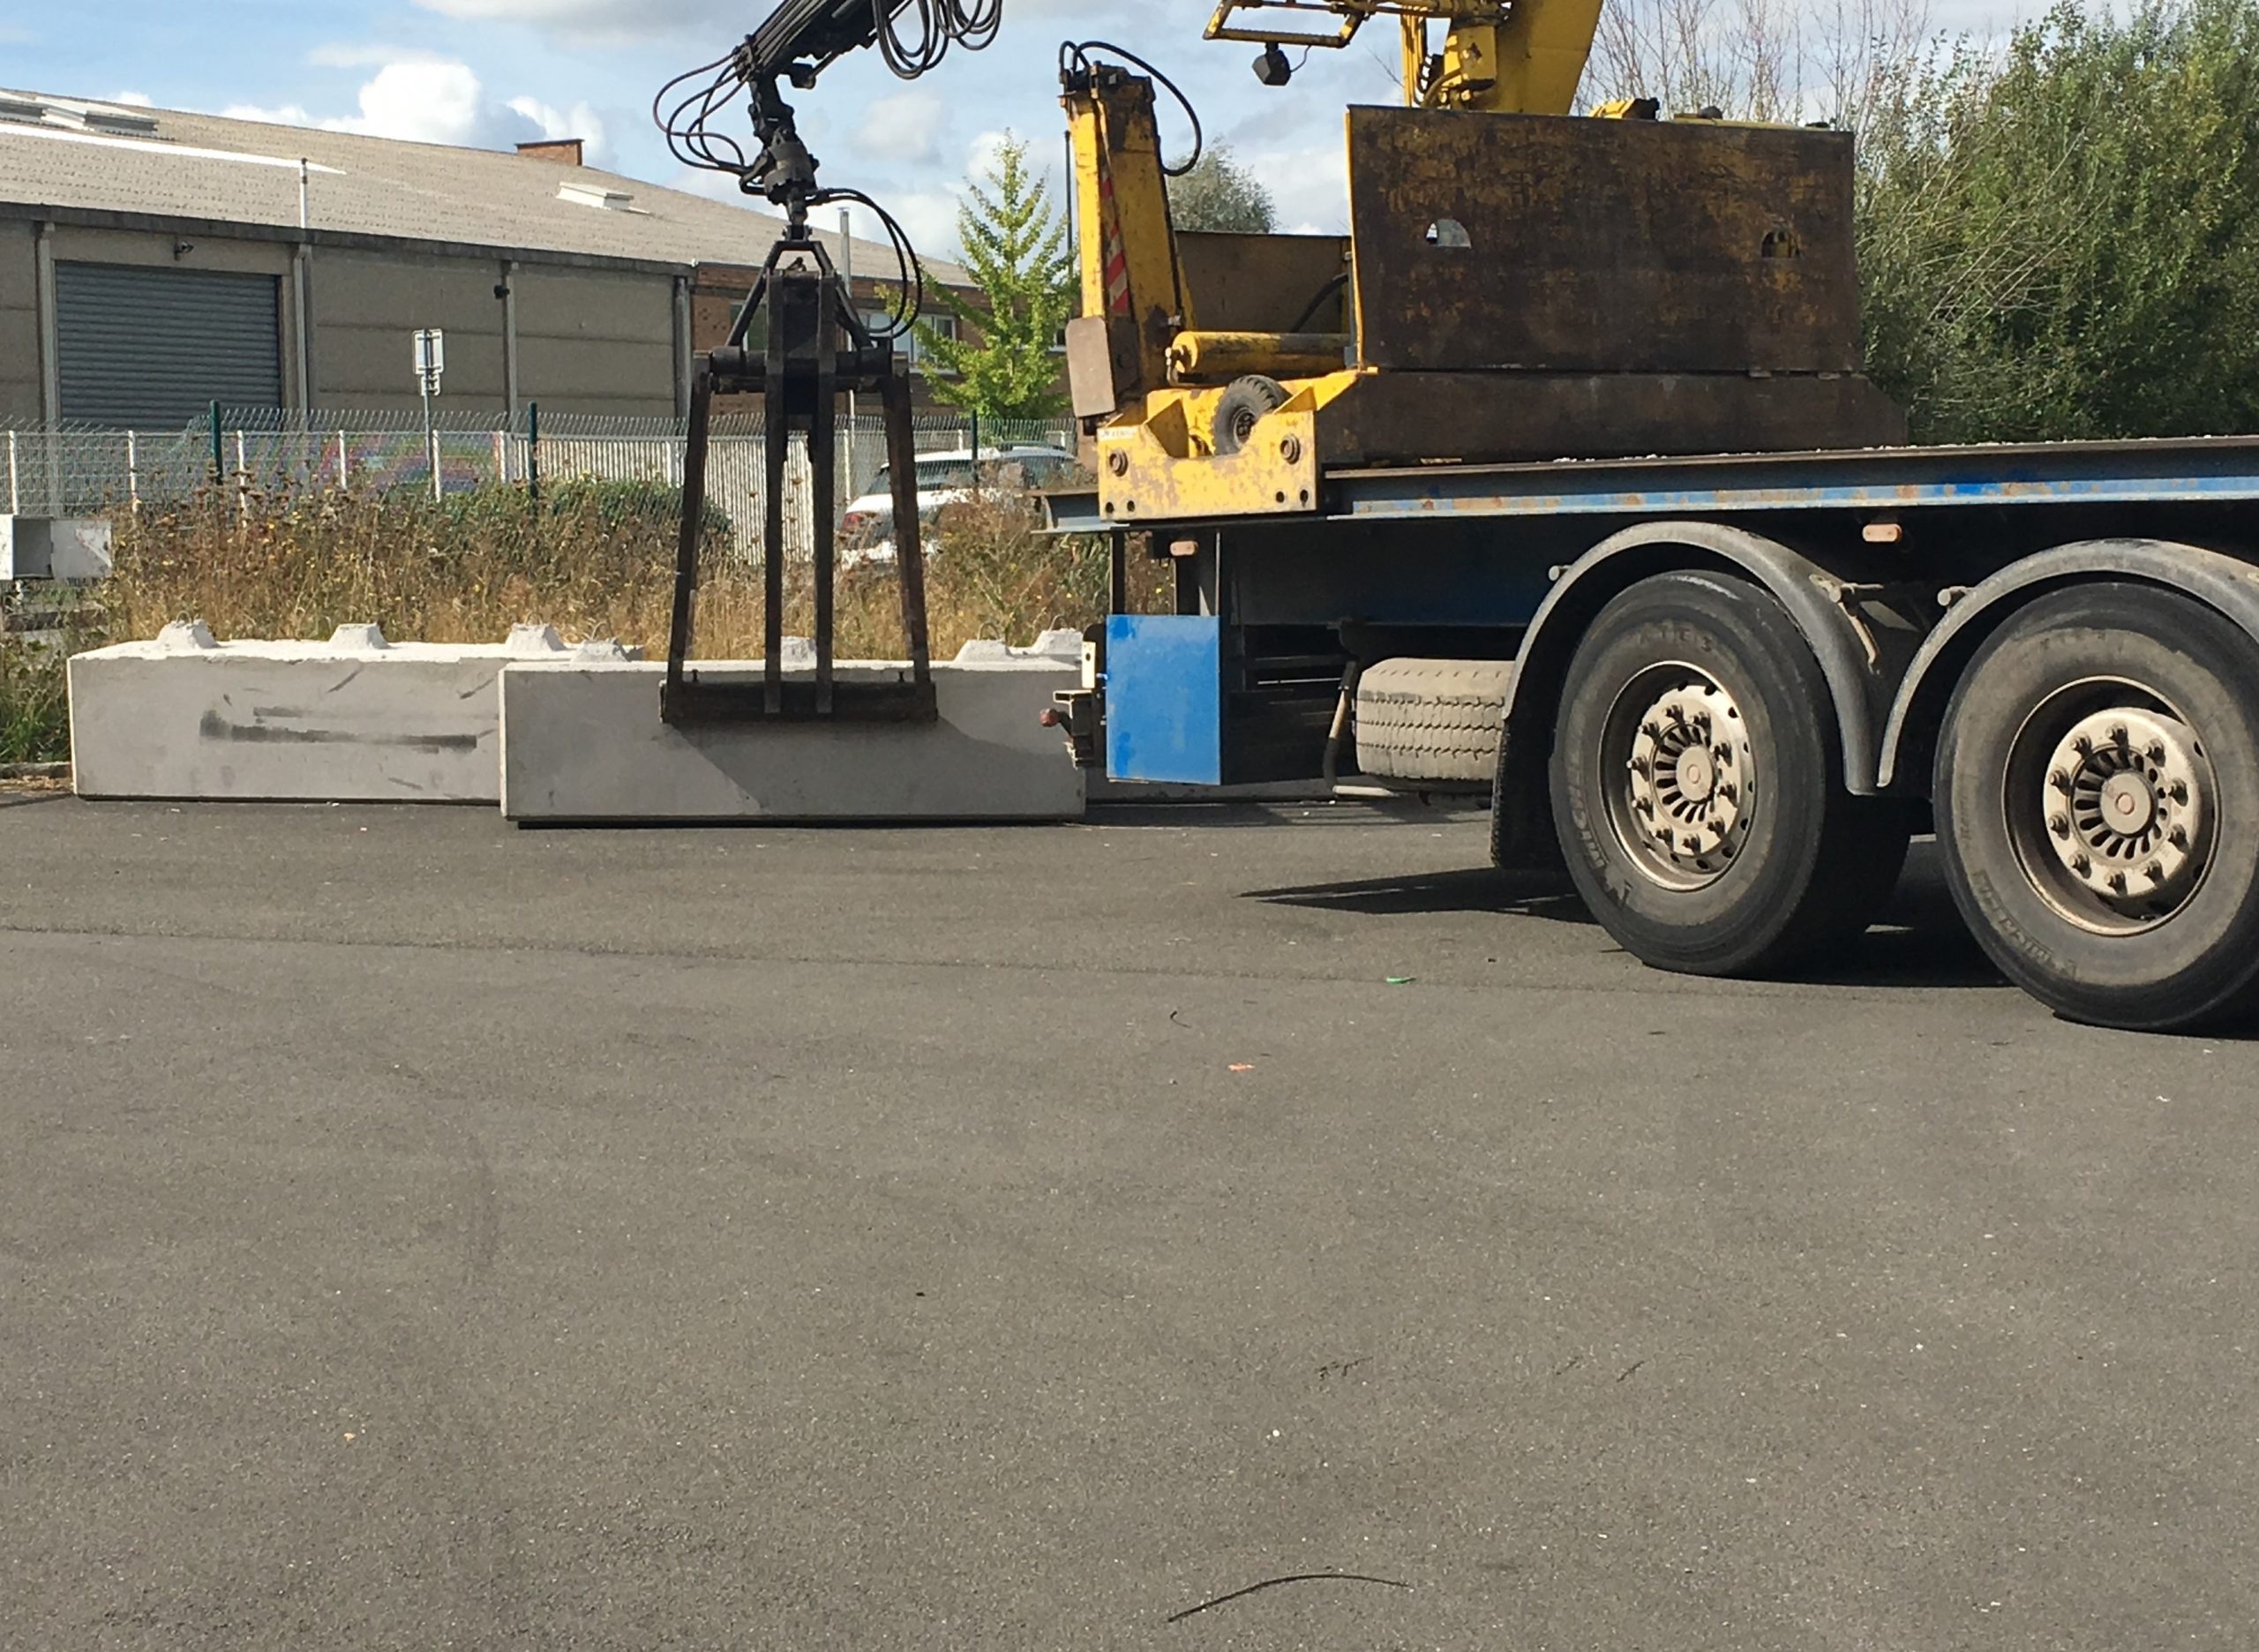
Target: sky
x=495, y=72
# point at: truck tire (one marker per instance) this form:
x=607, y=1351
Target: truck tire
x=2097, y=807
x=1697, y=784
x=1432, y=719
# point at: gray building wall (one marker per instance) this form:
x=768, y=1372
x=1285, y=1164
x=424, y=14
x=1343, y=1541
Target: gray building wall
x=366, y=305
x=19, y=331
x=596, y=341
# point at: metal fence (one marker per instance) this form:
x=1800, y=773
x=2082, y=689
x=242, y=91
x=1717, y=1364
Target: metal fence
x=83, y=470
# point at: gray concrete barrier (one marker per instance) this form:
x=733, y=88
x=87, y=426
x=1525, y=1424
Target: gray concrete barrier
x=584, y=743
x=353, y=720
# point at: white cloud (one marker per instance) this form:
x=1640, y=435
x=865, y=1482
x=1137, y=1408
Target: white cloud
x=425, y=99
x=981, y=156
x=135, y=100
x=928, y=216
x=427, y=102
x=580, y=121
x=1310, y=186
x=903, y=127
x=281, y=114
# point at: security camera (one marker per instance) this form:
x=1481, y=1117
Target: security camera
x=1272, y=68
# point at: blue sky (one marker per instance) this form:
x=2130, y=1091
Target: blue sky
x=494, y=71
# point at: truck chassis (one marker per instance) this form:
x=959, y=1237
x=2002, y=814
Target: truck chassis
x=1729, y=689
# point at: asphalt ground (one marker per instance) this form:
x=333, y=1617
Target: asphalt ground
x=418, y=1233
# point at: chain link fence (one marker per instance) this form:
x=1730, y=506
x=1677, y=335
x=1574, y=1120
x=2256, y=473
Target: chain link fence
x=84, y=470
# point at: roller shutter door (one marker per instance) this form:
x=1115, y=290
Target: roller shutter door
x=156, y=348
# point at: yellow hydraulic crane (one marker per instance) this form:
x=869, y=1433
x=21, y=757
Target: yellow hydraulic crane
x=1499, y=295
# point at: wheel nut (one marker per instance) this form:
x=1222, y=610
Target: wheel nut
x=2178, y=836
x=2118, y=883
x=2081, y=865
x=2060, y=824
x=2180, y=791
x=2154, y=871
x=2060, y=781
x=2156, y=752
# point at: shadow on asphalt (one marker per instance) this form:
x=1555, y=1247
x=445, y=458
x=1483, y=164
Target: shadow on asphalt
x=1477, y=889
x=1919, y=941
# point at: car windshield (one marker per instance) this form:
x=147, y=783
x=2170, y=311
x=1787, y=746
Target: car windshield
x=933, y=475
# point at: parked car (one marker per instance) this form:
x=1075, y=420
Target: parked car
x=867, y=529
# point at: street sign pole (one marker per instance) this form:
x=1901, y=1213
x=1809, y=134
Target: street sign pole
x=431, y=362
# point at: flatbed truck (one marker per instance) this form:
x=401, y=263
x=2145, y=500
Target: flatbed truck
x=1725, y=691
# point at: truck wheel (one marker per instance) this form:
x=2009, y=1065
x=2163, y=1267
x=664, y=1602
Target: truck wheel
x=2097, y=807
x=1431, y=719
x=1697, y=784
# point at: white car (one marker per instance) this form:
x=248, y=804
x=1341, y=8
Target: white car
x=867, y=529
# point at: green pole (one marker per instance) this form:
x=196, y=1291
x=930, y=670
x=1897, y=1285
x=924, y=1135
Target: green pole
x=974, y=415
x=219, y=458
x=533, y=451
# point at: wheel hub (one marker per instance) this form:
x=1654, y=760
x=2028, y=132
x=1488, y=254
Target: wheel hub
x=2126, y=807
x=1690, y=782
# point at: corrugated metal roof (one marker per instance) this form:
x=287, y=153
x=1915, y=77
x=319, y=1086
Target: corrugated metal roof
x=213, y=168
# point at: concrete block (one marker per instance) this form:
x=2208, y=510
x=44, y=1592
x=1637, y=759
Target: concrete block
x=585, y=743
x=54, y=547
x=1051, y=645
x=354, y=719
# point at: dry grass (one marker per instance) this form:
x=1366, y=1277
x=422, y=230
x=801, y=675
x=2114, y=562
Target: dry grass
x=300, y=566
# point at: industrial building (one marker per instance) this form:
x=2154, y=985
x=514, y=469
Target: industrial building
x=153, y=261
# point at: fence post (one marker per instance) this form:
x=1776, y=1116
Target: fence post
x=133, y=472
x=219, y=455
x=242, y=483
x=533, y=451
x=15, y=495
x=344, y=468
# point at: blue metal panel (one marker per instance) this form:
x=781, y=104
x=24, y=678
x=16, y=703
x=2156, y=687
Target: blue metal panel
x=1164, y=698
x=2208, y=470
x=2176, y=470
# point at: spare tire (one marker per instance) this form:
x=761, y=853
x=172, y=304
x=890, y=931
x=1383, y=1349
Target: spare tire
x=1432, y=719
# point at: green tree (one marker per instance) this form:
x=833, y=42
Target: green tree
x=2063, y=242
x=1001, y=366
x=1219, y=194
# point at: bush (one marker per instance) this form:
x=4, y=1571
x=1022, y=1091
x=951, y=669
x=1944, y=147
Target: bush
x=597, y=560
x=2064, y=242
x=638, y=506
x=35, y=705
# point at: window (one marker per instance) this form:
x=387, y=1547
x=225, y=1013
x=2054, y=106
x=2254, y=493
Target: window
x=913, y=346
